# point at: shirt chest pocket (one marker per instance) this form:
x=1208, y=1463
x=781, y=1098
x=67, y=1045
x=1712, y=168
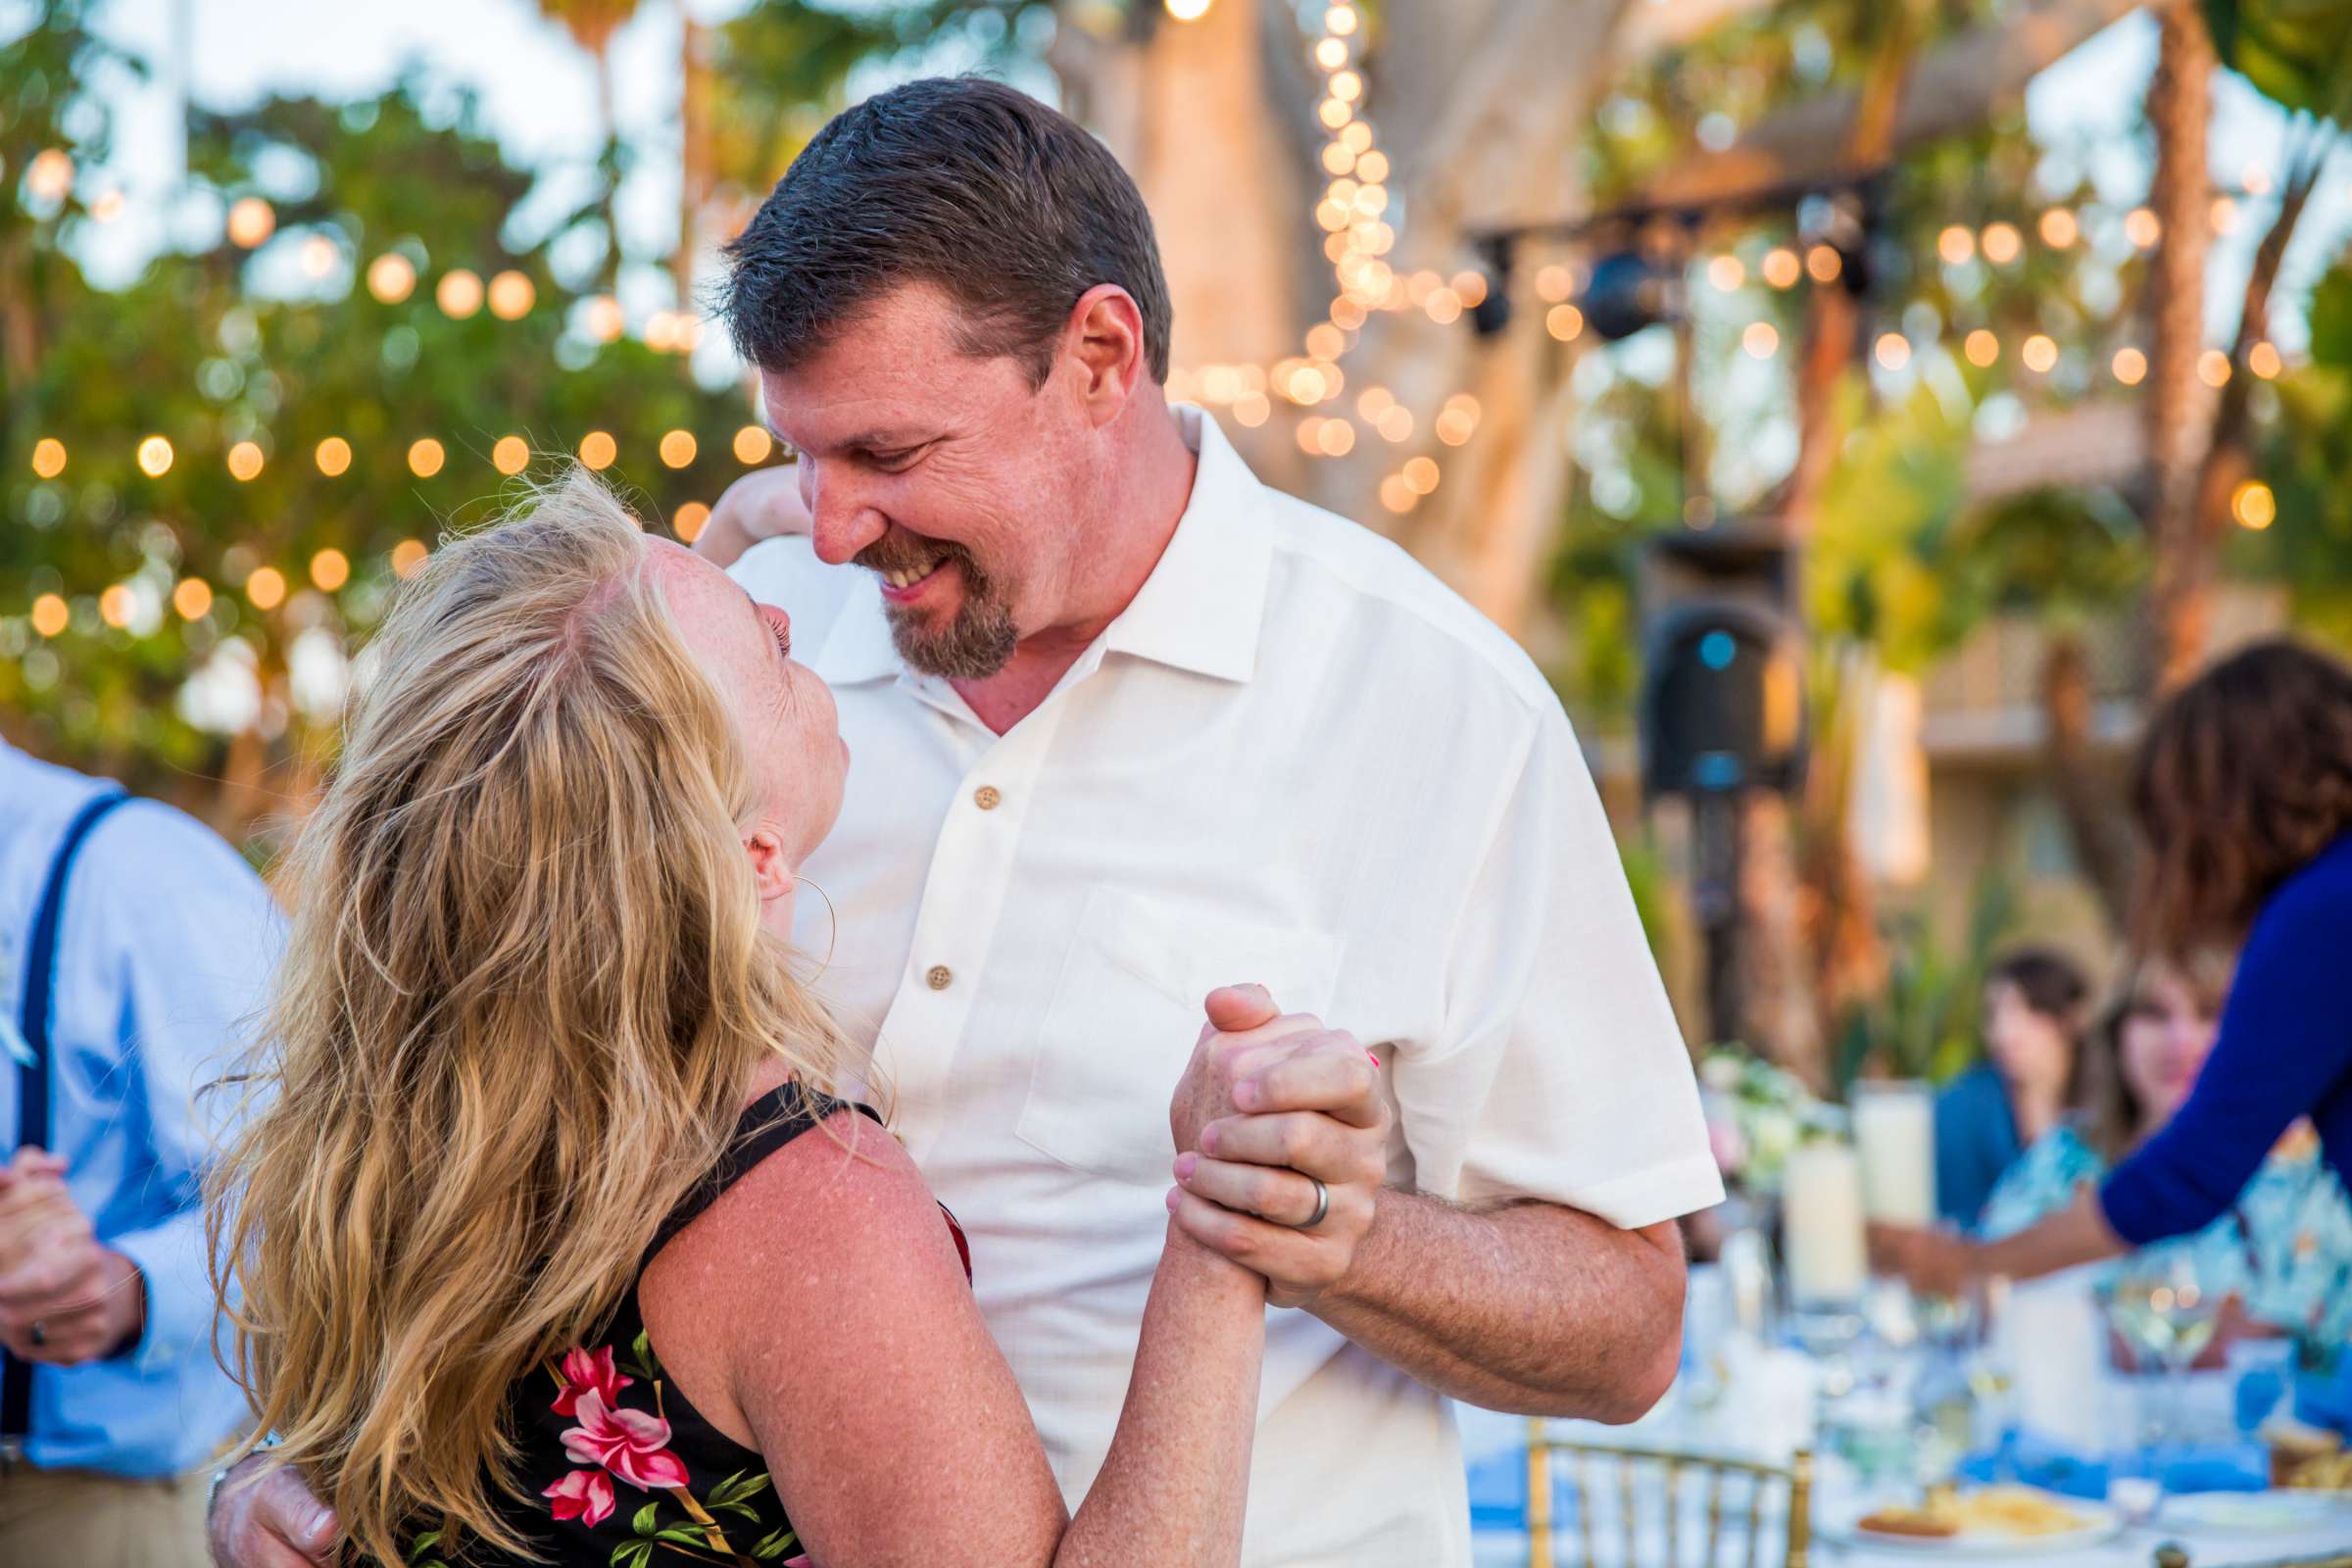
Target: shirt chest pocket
x=1126, y=1012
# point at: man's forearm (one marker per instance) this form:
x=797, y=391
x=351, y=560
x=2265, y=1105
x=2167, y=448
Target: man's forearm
x=1532, y=1308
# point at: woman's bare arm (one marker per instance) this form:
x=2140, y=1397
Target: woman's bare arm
x=856, y=1359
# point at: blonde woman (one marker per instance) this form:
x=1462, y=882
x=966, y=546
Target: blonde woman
x=554, y=1241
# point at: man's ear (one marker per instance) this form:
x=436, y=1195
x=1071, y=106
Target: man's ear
x=771, y=869
x=1104, y=342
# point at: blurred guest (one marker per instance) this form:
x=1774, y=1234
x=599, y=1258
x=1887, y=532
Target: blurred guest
x=2244, y=788
x=131, y=942
x=2278, y=1251
x=1985, y=1117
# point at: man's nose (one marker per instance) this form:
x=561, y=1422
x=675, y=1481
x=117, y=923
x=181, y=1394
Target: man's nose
x=841, y=521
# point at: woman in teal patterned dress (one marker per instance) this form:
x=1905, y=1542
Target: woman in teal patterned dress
x=2284, y=1249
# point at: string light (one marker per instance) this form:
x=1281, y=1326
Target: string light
x=1335, y=438
x=2130, y=366
x=244, y=460
x=1553, y=285
x=1823, y=263
x=1727, y=274
x=1331, y=53
x=1982, y=347
x=251, y=221
x=2253, y=505
x=1397, y=495
x=2039, y=354
x=1782, y=267
x=50, y=615
x=1252, y=408
x=511, y=295
x=2059, y=230
x=155, y=457
x=192, y=598
x=319, y=256
x=1420, y=475
x=50, y=175
x=333, y=455
x=1762, y=340
x=1189, y=10
x=330, y=569
x=407, y=558
x=603, y=319
x=1564, y=321
x=391, y=278
x=688, y=521
x=2264, y=361
x=48, y=457
x=2001, y=243
x=1347, y=86
x=2212, y=367
x=1340, y=21
x=511, y=455
x=425, y=456
x=108, y=207
x=598, y=450
x=1893, y=349
x=2225, y=216
x=116, y=604
x=458, y=293
x=677, y=447
x=753, y=444
x=265, y=587
x=2142, y=228
x=1957, y=245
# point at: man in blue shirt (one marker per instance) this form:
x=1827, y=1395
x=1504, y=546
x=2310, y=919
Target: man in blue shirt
x=135, y=949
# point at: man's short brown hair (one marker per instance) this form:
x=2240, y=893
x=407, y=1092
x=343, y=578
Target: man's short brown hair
x=1010, y=207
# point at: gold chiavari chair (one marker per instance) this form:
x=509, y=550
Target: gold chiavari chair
x=1590, y=1477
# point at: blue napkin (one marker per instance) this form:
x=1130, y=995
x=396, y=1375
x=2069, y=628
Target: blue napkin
x=1498, y=1492
x=2236, y=1466
x=2325, y=1398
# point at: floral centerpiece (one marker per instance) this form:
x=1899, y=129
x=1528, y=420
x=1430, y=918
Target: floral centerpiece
x=1756, y=1115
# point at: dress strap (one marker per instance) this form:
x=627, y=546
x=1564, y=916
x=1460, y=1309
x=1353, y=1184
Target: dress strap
x=766, y=1125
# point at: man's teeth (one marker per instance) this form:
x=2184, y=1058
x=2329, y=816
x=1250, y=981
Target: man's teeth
x=900, y=577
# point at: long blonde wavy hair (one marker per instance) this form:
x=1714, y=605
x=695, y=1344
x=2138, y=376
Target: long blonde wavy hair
x=525, y=992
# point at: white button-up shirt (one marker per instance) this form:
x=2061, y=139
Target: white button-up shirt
x=1294, y=759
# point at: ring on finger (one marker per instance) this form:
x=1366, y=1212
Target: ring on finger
x=38, y=1334
x=1322, y=1206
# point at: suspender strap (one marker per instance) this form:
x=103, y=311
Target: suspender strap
x=32, y=1078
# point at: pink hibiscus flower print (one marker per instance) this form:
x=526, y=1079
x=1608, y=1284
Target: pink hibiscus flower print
x=628, y=1443
x=590, y=1371
x=583, y=1495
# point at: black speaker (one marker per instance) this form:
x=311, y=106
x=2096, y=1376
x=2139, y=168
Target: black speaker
x=1723, y=692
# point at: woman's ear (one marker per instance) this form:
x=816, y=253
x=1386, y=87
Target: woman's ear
x=771, y=868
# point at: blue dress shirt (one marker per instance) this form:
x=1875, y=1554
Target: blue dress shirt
x=163, y=957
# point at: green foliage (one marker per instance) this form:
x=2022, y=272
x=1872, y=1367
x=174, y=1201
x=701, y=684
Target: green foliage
x=2297, y=52
x=1926, y=1021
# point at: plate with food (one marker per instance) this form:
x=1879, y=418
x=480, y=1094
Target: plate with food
x=1981, y=1519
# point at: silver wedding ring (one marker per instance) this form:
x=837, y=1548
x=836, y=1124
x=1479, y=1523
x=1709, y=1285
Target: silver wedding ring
x=40, y=1333
x=1322, y=1206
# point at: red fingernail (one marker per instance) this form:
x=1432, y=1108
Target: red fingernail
x=1374, y=1060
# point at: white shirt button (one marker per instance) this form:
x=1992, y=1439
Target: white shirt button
x=986, y=797
x=938, y=977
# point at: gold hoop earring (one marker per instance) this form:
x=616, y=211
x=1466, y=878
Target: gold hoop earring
x=832, y=929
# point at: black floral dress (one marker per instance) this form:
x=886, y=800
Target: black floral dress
x=626, y=1471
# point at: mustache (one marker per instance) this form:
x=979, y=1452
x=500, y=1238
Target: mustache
x=911, y=552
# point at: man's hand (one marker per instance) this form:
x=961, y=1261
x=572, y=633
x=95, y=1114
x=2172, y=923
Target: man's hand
x=762, y=505
x=1288, y=1101
x=264, y=1517
x=64, y=1297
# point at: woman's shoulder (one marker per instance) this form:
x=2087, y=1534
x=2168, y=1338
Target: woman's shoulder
x=2318, y=892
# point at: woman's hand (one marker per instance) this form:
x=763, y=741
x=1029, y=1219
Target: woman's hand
x=1932, y=1262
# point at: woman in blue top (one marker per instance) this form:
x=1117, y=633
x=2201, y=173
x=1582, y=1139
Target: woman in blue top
x=2244, y=788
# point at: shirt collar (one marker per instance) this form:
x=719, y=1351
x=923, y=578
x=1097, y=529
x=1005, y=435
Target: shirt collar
x=1200, y=609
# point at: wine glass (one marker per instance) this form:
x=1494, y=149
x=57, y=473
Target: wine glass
x=2167, y=1317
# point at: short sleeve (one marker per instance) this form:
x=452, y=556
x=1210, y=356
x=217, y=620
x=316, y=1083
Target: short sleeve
x=1559, y=1073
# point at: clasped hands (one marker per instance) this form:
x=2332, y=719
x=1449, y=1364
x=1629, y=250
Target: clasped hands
x=1271, y=1103
x=64, y=1296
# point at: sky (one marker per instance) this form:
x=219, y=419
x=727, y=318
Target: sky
x=538, y=94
